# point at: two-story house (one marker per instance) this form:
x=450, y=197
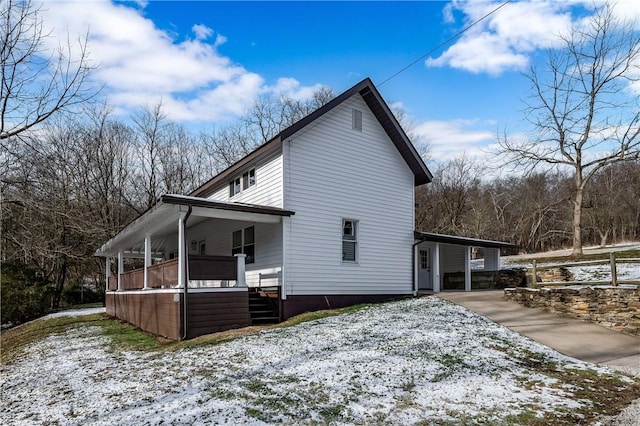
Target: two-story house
x=321, y=216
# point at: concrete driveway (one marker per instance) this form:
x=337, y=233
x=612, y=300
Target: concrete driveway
x=576, y=338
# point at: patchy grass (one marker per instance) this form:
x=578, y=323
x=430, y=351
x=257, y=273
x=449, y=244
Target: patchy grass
x=606, y=394
x=14, y=340
x=228, y=335
x=123, y=335
x=127, y=337
x=392, y=363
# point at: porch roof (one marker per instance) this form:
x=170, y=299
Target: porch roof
x=464, y=241
x=161, y=219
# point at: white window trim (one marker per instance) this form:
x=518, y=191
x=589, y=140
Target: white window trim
x=232, y=187
x=243, y=243
x=356, y=226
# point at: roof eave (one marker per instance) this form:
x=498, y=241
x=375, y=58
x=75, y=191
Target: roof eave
x=454, y=239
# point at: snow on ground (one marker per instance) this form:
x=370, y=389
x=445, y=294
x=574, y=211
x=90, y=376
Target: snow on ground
x=406, y=362
x=76, y=312
x=624, y=272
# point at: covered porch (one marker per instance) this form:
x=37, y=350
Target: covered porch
x=180, y=270
x=445, y=262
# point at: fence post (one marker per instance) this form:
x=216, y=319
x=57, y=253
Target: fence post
x=614, y=272
x=534, y=273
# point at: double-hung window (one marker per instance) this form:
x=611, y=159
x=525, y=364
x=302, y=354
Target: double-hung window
x=242, y=182
x=243, y=241
x=248, y=179
x=349, y=240
x=234, y=187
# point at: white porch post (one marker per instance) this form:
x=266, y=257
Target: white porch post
x=241, y=279
x=107, y=271
x=286, y=222
x=147, y=260
x=181, y=253
x=120, y=269
x=436, y=268
x=467, y=268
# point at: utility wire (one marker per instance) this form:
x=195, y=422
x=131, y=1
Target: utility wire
x=450, y=39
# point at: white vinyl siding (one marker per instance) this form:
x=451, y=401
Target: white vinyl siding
x=267, y=189
x=334, y=173
x=268, y=244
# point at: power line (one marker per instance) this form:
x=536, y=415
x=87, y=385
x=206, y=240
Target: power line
x=450, y=39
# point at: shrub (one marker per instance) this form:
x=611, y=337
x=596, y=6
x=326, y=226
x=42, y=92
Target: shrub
x=24, y=295
x=76, y=294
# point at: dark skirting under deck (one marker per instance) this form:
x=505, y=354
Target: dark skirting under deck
x=295, y=305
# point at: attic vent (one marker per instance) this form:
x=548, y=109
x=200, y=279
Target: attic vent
x=356, y=120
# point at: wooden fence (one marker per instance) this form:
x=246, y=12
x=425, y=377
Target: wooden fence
x=614, y=281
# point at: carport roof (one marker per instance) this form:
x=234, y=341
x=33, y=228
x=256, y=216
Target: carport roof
x=465, y=241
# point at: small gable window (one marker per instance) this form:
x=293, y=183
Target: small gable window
x=356, y=119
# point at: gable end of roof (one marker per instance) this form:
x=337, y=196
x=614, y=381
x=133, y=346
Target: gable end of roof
x=378, y=107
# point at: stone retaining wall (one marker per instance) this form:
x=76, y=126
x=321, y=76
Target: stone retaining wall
x=614, y=307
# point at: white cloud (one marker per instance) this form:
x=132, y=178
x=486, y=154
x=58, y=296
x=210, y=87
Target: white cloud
x=291, y=88
x=140, y=64
x=450, y=139
x=202, y=32
x=505, y=39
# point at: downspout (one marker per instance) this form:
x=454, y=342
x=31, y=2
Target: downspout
x=414, y=268
x=185, y=317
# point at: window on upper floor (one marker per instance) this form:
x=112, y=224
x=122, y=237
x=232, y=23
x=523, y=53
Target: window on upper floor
x=349, y=240
x=242, y=182
x=248, y=179
x=243, y=241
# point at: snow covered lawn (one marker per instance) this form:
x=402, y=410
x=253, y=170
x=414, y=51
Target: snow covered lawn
x=406, y=362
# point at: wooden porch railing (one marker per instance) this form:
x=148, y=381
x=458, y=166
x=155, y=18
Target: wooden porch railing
x=165, y=274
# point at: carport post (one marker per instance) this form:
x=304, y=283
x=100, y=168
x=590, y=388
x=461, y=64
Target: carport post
x=436, y=268
x=467, y=268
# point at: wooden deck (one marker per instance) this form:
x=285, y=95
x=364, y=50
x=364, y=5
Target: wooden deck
x=161, y=311
x=160, y=308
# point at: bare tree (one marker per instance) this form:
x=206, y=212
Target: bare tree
x=409, y=126
x=444, y=205
x=269, y=115
x=36, y=83
x=273, y=113
x=584, y=109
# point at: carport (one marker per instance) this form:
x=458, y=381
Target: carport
x=438, y=255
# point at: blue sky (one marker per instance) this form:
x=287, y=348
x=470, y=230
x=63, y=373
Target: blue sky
x=208, y=61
